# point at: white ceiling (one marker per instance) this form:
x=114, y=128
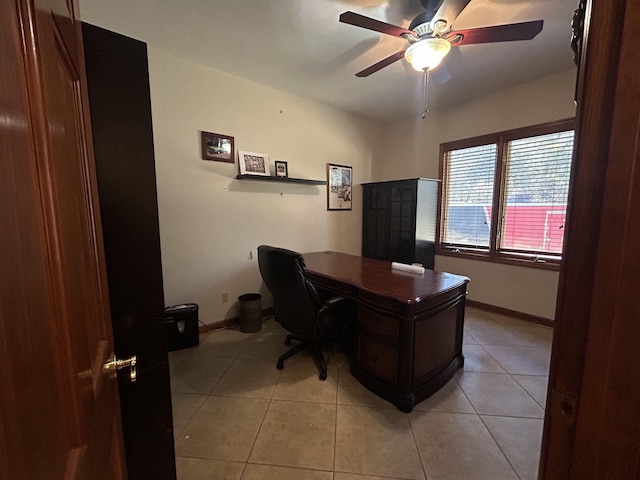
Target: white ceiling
x=300, y=47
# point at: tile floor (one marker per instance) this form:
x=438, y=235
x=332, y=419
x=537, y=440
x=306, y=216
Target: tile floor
x=236, y=417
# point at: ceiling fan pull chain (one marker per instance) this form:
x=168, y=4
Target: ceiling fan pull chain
x=426, y=94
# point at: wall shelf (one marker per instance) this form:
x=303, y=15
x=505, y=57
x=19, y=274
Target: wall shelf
x=281, y=179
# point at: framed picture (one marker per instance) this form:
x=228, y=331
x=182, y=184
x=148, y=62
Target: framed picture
x=217, y=147
x=339, y=178
x=252, y=163
x=281, y=169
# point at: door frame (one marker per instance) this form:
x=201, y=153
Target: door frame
x=592, y=374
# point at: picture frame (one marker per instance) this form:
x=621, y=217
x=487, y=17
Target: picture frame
x=282, y=170
x=217, y=147
x=339, y=187
x=253, y=163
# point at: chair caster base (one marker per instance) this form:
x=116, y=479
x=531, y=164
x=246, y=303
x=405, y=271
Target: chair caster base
x=323, y=376
x=280, y=365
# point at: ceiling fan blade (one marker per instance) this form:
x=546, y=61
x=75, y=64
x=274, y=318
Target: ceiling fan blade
x=369, y=23
x=449, y=10
x=497, y=33
x=381, y=64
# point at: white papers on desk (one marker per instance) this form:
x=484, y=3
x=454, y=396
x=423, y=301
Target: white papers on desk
x=407, y=268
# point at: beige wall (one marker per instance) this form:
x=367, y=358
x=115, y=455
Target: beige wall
x=411, y=149
x=211, y=223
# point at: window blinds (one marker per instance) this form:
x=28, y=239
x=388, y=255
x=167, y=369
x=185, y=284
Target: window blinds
x=536, y=186
x=532, y=179
x=469, y=179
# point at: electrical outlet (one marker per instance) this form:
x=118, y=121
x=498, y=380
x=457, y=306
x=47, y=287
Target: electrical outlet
x=225, y=297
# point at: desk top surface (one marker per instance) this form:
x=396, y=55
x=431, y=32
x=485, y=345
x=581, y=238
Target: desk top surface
x=378, y=278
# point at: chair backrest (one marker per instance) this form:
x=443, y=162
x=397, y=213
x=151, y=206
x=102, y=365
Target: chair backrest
x=296, y=301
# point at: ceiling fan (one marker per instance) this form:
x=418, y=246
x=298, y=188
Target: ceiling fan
x=431, y=36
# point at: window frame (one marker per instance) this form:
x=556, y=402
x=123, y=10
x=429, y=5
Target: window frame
x=498, y=204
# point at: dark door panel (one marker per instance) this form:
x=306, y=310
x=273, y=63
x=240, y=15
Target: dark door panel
x=119, y=98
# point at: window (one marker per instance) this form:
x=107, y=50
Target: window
x=504, y=196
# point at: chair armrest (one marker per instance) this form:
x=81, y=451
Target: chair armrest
x=335, y=302
x=334, y=307
x=336, y=316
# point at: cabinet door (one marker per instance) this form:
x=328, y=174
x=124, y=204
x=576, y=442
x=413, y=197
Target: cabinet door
x=402, y=222
x=426, y=218
x=375, y=224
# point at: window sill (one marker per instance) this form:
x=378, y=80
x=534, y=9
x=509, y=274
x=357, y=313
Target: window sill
x=502, y=259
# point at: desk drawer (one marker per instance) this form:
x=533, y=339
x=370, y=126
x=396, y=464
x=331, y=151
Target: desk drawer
x=377, y=359
x=383, y=303
x=384, y=325
x=335, y=287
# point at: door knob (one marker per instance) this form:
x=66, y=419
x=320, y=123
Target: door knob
x=114, y=364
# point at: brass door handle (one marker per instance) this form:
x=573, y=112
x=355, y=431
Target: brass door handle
x=114, y=364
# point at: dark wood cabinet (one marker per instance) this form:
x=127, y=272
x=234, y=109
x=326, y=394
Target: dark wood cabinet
x=399, y=220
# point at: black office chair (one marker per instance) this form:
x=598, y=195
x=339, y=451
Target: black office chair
x=299, y=307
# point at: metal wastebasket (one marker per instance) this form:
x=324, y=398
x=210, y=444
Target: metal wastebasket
x=250, y=305
x=182, y=326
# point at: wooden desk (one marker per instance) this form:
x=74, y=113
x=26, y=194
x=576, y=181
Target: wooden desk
x=408, y=334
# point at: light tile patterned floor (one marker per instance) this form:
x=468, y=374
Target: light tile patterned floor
x=236, y=417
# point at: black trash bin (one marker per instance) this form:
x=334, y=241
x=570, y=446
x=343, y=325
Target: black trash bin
x=182, y=326
x=250, y=312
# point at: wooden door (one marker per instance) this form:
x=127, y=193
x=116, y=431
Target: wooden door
x=119, y=98
x=60, y=414
x=592, y=426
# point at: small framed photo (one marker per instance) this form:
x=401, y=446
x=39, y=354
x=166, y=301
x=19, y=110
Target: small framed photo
x=281, y=169
x=252, y=163
x=217, y=147
x=339, y=178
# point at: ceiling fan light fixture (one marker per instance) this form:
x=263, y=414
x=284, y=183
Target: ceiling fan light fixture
x=427, y=53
